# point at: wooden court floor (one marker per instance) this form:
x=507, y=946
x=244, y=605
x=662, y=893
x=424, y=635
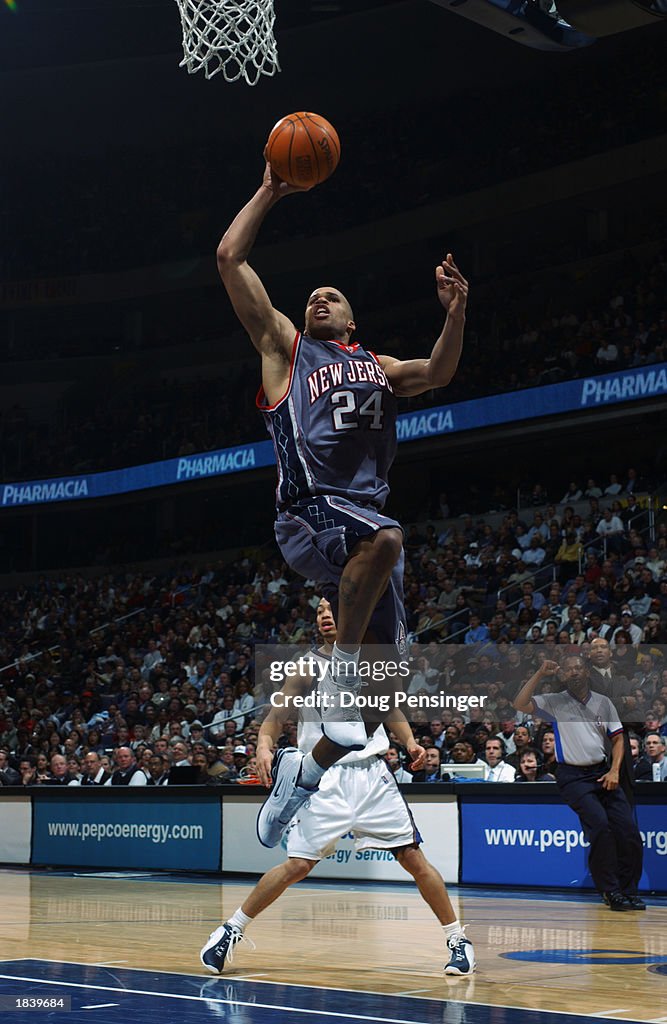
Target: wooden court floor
x=560, y=954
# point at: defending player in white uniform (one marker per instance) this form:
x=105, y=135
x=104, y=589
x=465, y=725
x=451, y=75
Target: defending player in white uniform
x=358, y=795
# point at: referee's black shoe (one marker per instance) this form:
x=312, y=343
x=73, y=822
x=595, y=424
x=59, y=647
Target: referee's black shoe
x=616, y=900
x=634, y=902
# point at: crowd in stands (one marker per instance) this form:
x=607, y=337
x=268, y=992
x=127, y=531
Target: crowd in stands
x=167, y=417
x=123, y=678
x=107, y=218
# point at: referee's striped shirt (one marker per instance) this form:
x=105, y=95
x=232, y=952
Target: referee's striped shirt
x=582, y=728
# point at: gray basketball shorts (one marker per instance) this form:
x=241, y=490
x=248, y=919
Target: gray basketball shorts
x=316, y=538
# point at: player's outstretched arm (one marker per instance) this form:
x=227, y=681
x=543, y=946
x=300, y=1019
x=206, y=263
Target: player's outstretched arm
x=282, y=709
x=415, y=376
x=271, y=332
x=398, y=724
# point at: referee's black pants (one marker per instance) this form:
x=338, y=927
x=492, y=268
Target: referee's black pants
x=616, y=852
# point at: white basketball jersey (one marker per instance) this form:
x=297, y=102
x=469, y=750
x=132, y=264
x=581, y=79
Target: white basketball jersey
x=309, y=731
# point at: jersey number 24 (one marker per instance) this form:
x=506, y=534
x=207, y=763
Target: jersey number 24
x=348, y=416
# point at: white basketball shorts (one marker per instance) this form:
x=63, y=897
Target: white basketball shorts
x=361, y=798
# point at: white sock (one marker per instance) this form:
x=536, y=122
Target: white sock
x=311, y=772
x=453, y=930
x=239, y=920
x=346, y=674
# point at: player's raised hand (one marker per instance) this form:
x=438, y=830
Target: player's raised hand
x=452, y=288
x=549, y=668
x=417, y=754
x=276, y=185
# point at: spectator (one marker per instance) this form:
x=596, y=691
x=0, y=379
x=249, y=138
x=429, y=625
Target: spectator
x=531, y=598
x=241, y=756
x=642, y=769
x=654, y=748
x=179, y=754
x=607, y=355
x=437, y=732
x=452, y=734
x=640, y=605
x=538, y=495
x=548, y=751
x=614, y=487
x=577, y=632
x=478, y=632
x=196, y=731
x=244, y=701
x=8, y=775
x=28, y=771
x=74, y=768
x=499, y=770
x=654, y=630
x=626, y=630
x=656, y=562
x=633, y=484
x=128, y=772
x=506, y=735
x=448, y=595
x=534, y=554
x=60, y=774
x=424, y=679
x=592, y=489
x=463, y=752
x=522, y=741
x=431, y=770
x=568, y=556
x=572, y=494
x=158, y=770
x=530, y=769
x=393, y=759
x=228, y=762
x=93, y=772
x=611, y=529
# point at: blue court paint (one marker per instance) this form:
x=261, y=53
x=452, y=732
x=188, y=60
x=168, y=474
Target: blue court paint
x=585, y=956
x=153, y=997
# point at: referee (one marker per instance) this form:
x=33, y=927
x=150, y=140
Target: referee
x=583, y=721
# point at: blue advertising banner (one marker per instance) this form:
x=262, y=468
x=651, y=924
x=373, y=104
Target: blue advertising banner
x=543, y=844
x=139, y=478
x=587, y=393
x=121, y=831
x=570, y=396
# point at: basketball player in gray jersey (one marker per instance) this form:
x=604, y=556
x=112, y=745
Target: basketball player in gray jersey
x=358, y=795
x=330, y=407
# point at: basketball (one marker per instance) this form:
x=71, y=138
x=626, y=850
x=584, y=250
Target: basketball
x=303, y=149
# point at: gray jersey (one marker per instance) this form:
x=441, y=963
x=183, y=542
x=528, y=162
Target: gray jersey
x=334, y=429
x=581, y=728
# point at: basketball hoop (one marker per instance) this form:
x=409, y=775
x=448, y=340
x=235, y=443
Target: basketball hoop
x=233, y=37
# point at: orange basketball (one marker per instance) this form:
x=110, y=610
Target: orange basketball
x=303, y=149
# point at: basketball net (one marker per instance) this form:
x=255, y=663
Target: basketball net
x=233, y=37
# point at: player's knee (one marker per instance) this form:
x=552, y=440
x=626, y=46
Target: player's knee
x=387, y=547
x=411, y=860
x=298, y=867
